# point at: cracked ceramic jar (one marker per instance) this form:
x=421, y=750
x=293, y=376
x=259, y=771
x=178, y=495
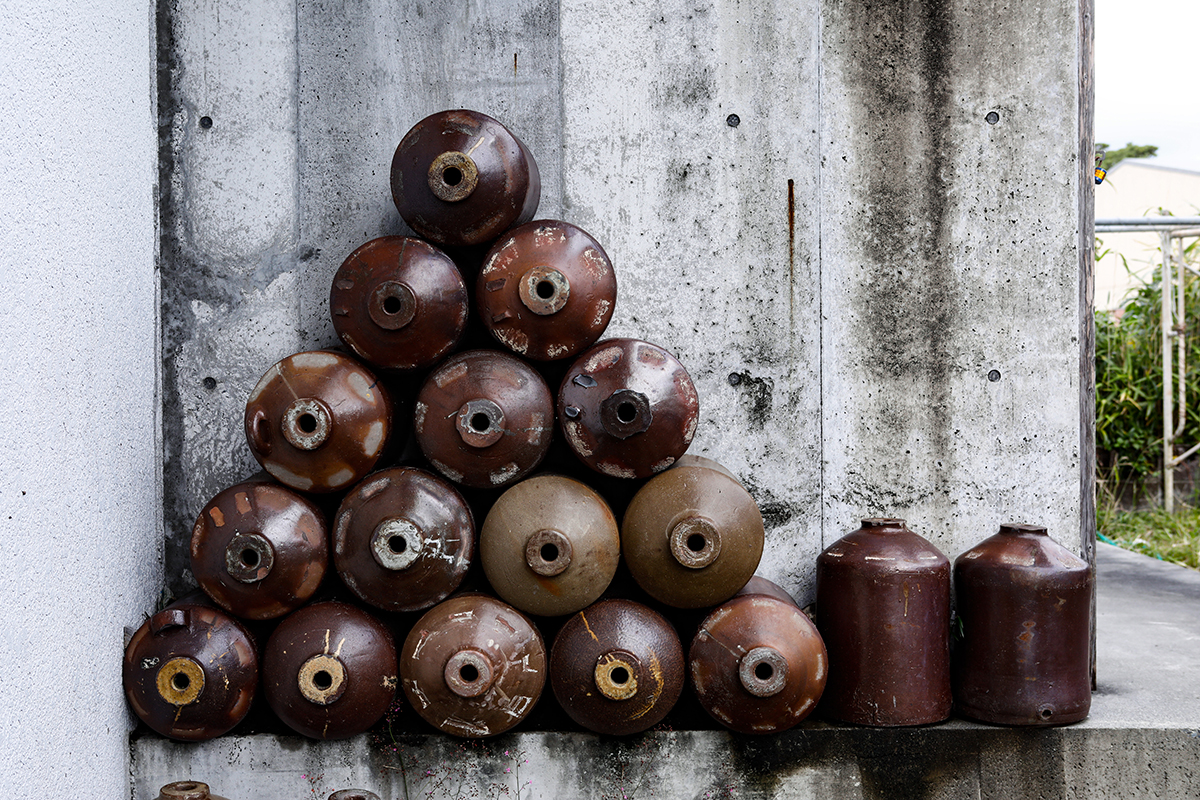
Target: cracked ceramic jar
x=473, y=666
x=259, y=550
x=190, y=672
x=883, y=609
x=550, y=545
x=484, y=419
x=546, y=290
x=318, y=421
x=1024, y=626
x=399, y=303
x=186, y=790
x=329, y=670
x=461, y=178
x=617, y=667
x=692, y=537
x=758, y=664
x=403, y=539
x=628, y=408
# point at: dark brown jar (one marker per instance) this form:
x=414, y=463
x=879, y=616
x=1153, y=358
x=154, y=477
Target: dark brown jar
x=692, y=537
x=473, y=666
x=760, y=585
x=550, y=545
x=403, y=539
x=484, y=419
x=318, y=421
x=1024, y=616
x=329, y=671
x=461, y=178
x=190, y=672
x=353, y=794
x=617, y=667
x=883, y=609
x=399, y=303
x=758, y=664
x=628, y=408
x=259, y=550
x=186, y=790
x=546, y=290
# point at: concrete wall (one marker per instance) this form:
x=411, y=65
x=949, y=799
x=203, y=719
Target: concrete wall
x=80, y=536
x=875, y=284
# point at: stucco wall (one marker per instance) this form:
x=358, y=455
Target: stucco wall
x=80, y=530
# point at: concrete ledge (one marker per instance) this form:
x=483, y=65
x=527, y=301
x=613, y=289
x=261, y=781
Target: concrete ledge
x=1141, y=740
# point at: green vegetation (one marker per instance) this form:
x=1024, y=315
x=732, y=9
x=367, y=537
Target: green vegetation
x=1170, y=537
x=1130, y=150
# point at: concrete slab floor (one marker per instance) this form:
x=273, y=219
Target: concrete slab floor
x=1141, y=740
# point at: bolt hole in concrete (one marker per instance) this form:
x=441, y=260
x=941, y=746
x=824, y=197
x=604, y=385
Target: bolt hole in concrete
x=322, y=679
x=549, y=553
x=763, y=671
x=249, y=558
x=181, y=681
x=307, y=423
x=619, y=676
x=468, y=673
x=452, y=176
x=994, y=375
x=545, y=290
x=397, y=544
x=696, y=542
x=733, y=120
x=206, y=122
x=480, y=422
x=210, y=383
x=734, y=379
x=626, y=412
x=391, y=305
x=992, y=118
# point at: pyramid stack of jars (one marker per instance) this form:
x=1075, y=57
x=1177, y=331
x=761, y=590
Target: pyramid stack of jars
x=358, y=552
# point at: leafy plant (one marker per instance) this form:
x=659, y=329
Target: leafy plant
x=1130, y=150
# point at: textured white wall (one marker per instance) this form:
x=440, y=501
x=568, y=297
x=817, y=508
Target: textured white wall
x=80, y=541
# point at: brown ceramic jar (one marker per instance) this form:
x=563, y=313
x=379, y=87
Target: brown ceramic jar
x=883, y=609
x=318, y=421
x=546, y=290
x=186, y=790
x=760, y=585
x=190, y=672
x=758, y=664
x=692, y=537
x=259, y=550
x=628, y=408
x=461, y=178
x=403, y=539
x=1024, y=616
x=329, y=671
x=550, y=545
x=617, y=667
x=353, y=794
x=484, y=419
x=399, y=303
x=473, y=666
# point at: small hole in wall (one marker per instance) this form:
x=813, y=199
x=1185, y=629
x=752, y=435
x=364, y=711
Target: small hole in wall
x=992, y=118
x=206, y=122
x=733, y=120
x=994, y=375
x=210, y=383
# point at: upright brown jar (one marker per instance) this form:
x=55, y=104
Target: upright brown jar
x=484, y=419
x=628, y=408
x=617, y=667
x=186, y=790
x=190, y=672
x=758, y=664
x=259, y=550
x=1024, y=615
x=329, y=670
x=399, y=303
x=546, y=290
x=692, y=536
x=883, y=609
x=550, y=545
x=461, y=178
x=318, y=421
x=403, y=539
x=473, y=666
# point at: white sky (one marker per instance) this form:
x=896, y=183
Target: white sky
x=1148, y=77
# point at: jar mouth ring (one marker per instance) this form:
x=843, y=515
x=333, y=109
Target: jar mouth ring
x=1019, y=528
x=894, y=523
